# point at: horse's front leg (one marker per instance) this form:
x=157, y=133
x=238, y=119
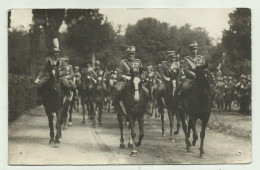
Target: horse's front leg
x=171, y=123
x=178, y=123
x=120, y=122
x=50, y=119
x=133, y=135
x=94, y=114
x=185, y=129
x=70, y=112
x=100, y=113
x=161, y=111
x=83, y=111
x=141, y=130
x=202, y=135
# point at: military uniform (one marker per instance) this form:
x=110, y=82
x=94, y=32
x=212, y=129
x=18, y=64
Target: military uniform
x=101, y=73
x=188, y=64
x=77, y=76
x=124, y=69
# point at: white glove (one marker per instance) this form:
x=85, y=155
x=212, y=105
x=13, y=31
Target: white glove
x=99, y=78
x=37, y=81
x=67, y=76
x=167, y=78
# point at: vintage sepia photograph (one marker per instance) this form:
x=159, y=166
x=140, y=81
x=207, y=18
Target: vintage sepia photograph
x=129, y=86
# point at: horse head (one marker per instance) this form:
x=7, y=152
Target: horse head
x=54, y=74
x=99, y=83
x=136, y=83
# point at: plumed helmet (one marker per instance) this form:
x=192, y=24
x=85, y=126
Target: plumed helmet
x=55, y=45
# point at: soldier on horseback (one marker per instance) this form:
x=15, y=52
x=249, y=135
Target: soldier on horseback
x=188, y=65
x=124, y=74
x=169, y=71
x=77, y=76
x=44, y=77
x=100, y=73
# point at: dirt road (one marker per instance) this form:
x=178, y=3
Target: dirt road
x=81, y=144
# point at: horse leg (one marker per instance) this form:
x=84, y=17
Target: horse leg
x=194, y=129
x=185, y=130
x=120, y=122
x=133, y=135
x=64, y=113
x=178, y=123
x=202, y=135
x=83, y=111
x=94, y=110
x=171, y=123
x=141, y=131
x=50, y=119
x=70, y=112
x=161, y=111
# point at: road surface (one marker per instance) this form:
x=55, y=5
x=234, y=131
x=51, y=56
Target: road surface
x=84, y=145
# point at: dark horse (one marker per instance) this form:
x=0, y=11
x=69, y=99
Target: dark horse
x=52, y=96
x=166, y=100
x=135, y=104
x=87, y=91
x=98, y=99
x=197, y=105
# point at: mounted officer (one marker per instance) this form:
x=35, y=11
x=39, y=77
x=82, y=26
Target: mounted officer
x=77, y=76
x=124, y=74
x=188, y=64
x=43, y=75
x=69, y=75
x=100, y=73
x=168, y=70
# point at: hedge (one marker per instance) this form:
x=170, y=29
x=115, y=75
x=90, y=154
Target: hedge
x=21, y=95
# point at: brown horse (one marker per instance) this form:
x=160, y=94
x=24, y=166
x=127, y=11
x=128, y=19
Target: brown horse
x=197, y=105
x=52, y=95
x=166, y=101
x=135, y=104
x=98, y=99
x=88, y=87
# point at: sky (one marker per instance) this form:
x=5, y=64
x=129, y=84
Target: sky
x=214, y=20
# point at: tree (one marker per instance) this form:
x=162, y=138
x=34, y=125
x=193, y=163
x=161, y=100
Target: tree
x=88, y=32
x=237, y=40
x=153, y=39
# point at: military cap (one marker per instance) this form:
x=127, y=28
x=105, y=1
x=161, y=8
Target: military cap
x=130, y=49
x=159, y=65
x=171, y=53
x=76, y=68
x=194, y=45
x=219, y=78
x=243, y=76
x=224, y=77
x=97, y=62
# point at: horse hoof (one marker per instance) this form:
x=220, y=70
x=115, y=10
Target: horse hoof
x=176, y=133
x=133, y=153
x=64, y=128
x=56, y=144
x=163, y=135
x=138, y=144
x=100, y=124
x=130, y=145
x=189, y=149
x=193, y=143
x=83, y=122
x=122, y=146
x=172, y=140
x=202, y=156
x=51, y=142
x=70, y=123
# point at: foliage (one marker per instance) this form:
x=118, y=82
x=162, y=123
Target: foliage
x=153, y=39
x=237, y=40
x=21, y=95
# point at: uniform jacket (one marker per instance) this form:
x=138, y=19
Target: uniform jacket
x=44, y=69
x=126, y=65
x=170, y=69
x=189, y=63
